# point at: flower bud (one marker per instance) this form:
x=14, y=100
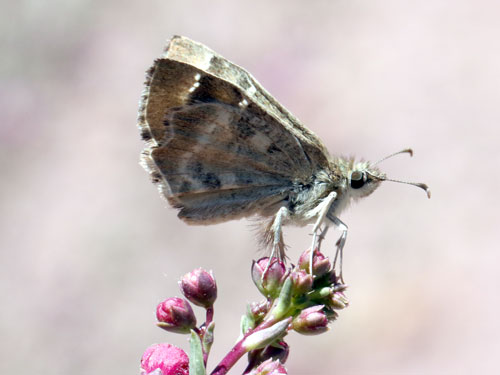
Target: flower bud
x=269, y=367
x=338, y=301
x=199, y=287
x=175, y=315
x=259, y=310
x=164, y=359
x=321, y=264
x=268, y=279
x=278, y=351
x=302, y=282
x=311, y=321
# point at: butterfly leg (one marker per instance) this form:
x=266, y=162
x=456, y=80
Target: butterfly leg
x=278, y=245
x=322, y=234
x=278, y=249
x=339, y=254
x=323, y=207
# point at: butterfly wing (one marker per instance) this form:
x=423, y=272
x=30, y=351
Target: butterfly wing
x=219, y=146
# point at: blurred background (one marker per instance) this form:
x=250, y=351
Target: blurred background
x=88, y=247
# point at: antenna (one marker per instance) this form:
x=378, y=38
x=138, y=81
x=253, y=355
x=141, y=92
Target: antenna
x=405, y=151
x=417, y=184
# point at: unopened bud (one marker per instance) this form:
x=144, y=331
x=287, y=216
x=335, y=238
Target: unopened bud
x=321, y=264
x=311, y=321
x=338, y=301
x=164, y=359
x=259, y=309
x=269, y=367
x=268, y=277
x=199, y=287
x=175, y=315
x=276, y=351
x=301, y=282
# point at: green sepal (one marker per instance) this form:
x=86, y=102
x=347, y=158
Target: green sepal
x=247, y=321
x=282, y=304
x=208, y=338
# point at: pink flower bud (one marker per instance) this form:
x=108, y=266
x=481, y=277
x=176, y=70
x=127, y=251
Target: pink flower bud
x=259, y=309
x=175, y=315
x=302, y=281
x=321, y=264
x=165, y=359
x=199, y=287
x=311, y=321
x=268, y=279
x=269, y=367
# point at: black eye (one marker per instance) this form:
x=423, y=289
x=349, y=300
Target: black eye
x=357, y=179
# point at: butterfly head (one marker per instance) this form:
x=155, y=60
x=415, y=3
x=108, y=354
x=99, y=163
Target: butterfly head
x=363, y=178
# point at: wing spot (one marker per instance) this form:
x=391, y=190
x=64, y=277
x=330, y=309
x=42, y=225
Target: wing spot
x=194, y=87
x=243, y=103
x=244, y=129
x=273, y=149
x=203, y=91
x=210, y=180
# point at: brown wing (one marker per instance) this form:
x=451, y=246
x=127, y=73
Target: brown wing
x=216, y=154
x=185, y=50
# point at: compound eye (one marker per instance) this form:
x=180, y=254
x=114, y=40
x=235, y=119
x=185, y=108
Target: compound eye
x=357, y=179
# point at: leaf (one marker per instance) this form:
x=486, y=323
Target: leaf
x=266, y=336
x=196, y=365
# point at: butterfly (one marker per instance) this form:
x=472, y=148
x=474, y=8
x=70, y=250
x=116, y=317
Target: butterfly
x=221, y=148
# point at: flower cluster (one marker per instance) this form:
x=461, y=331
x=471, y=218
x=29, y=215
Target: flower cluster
x=309, y=300
x=302, y=298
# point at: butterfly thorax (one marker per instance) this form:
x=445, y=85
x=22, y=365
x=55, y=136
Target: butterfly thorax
x=350, y=180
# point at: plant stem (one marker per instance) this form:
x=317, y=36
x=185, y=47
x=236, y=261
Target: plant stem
x=238, y=351
x=209, y=315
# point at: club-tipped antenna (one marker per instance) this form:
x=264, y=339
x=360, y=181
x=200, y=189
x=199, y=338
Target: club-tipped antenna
x=417, y=184
x=405, y=151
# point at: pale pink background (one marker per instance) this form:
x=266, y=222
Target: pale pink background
x=88, y=248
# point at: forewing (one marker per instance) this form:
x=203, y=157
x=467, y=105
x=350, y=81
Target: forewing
x=215, y=153
x=185, y=50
